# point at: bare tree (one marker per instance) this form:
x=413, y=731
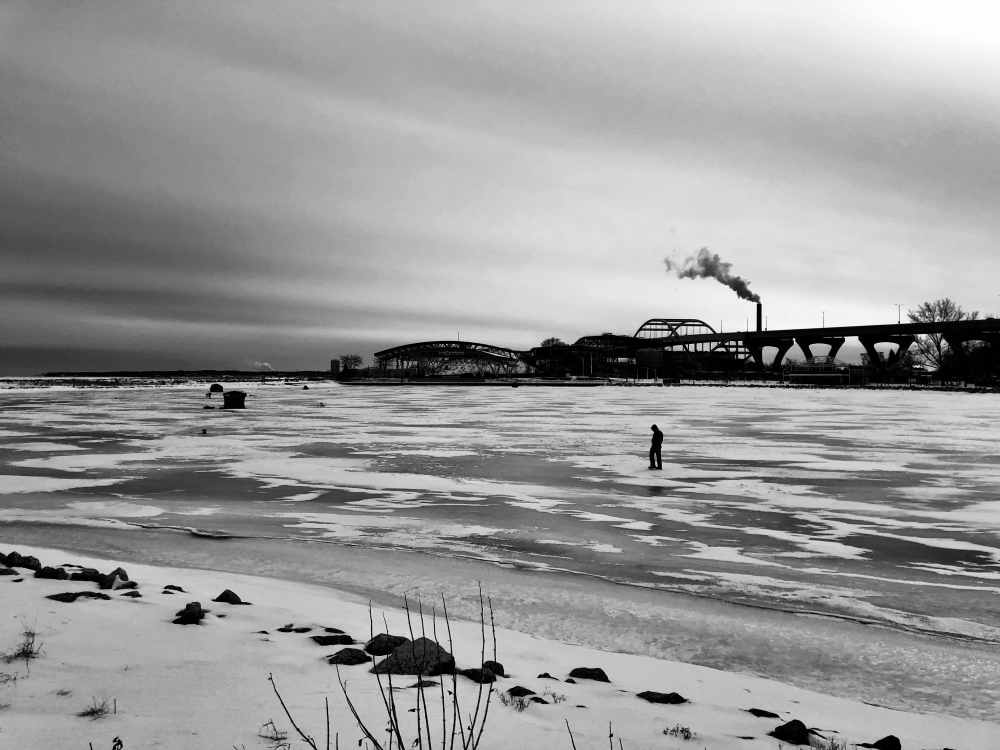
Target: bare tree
x=932, y=349
x=553, y=341
x=351, y=361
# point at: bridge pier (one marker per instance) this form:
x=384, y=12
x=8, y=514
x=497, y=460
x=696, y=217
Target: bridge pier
x=834, y=342
x=757, y=350
x=904, y=342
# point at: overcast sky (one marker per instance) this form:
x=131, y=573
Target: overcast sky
x=214, y=184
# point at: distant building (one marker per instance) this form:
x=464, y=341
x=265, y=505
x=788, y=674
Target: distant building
x=335, y=367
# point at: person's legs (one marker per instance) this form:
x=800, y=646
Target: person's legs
x=652, y=456
x=659, y=462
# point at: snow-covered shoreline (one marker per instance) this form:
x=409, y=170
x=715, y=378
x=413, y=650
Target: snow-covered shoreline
x=206, y=686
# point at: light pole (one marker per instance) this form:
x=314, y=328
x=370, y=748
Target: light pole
x=899, y=312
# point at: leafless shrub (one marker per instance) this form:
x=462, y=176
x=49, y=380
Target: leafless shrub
x=554, y=696
x=517, y=703
x=8, y=679
x=27, y=649
x=274, y=735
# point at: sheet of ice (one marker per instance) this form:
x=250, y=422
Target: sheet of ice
x=16, y=483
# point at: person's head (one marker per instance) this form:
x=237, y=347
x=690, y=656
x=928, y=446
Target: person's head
x=654, y=428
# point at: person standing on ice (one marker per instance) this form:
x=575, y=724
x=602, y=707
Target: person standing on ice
x=654, y=450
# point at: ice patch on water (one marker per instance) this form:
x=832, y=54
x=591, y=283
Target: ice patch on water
x=302, y=497
x=44, y=447
x=15, y=483
x=600, y=547
x=726, y=554
x=120, y=509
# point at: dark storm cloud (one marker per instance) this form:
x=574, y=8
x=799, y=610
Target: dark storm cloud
x=305, y=177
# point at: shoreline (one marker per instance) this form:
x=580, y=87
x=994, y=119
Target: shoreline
x=159, y=654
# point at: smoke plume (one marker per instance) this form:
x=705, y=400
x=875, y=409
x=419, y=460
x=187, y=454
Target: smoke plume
x=706, y=265
x=263, y=366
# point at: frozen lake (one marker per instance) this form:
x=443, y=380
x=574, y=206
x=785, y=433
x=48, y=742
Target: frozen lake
x=873, y=517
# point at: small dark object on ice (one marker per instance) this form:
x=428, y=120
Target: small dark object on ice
x=215, y=388
x=305, y=387
x=192, y=614
x=229, y=597
x=206, y=406
x=171, y=587
x=384, y=644
x=570, y=680
x=760, y=713
x=590, y=673
x=495, y=667
x=167, y=592
x=71, y=596
x=672, y=699
x=8, y=572
x=520, y=692
x=332, y=630
x=890, y=742
x=333, y=640
x=536, y=699
x=546, y=676
x=127, y=585
x=794, y=733
x=262, y=632
x=423, y=684
x=133, y=594
x=234, y=400
x=53, y=574
x=349, y=656
x=420, y=657
x=482, y=676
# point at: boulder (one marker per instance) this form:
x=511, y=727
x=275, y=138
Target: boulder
x=495, y=667
x=546, y=676
x=229, y=597
x=536, y=699
x=167, y=592
x=590, y=673
x=71, y=596
x=8, y=572
x=126, y=585
x=3, y=559
x=110, y=581
x=570, y=680
x=234, y=400
x=133, y=594
x=120, y=572
x=54, y=574
x=287, y=628
x=333, y=640
x=86, y=574
x=760, y=713
x=424, y=684
x=520, y=692
x=420, y=657
x=482, y=676
x=672, y=699
x=17, y=560
x=305, y=387
x=171, y=587
x=889, y=742
x=215, y=388
x=332, y=630
x=349, y=656
x=794, y=733
x=384, y=644
x=192, y=614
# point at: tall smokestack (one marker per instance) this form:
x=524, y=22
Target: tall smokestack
x=760, y=316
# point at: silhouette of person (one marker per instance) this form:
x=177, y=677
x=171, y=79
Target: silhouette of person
x=654, y=449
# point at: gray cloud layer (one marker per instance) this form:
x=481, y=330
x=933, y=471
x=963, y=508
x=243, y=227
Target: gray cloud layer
x=214, y=184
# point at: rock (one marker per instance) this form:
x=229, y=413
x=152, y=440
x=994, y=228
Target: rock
x=590, y=673
x=672, y=699
x=570, y=680
x=794, y=733
x=229, y=597
x=17, y=560
x=120, y=572
x=482, y=676
x=3, y=559
x=546, y=676
x=760, y=713
x=133, y=594
x=215, y=388
x=234, y=400
x=86, y=574
x=349, y=656
x=287, y=628
x=424, y=684
x=890, y=742
x=333, y=640
x=420, y=657
x=536, y=699
x=71, y=596
x=8, y=572
x=171, y=587
x=54, y=574
x=302, y=630
x=332, y=630
x=305, y=387
x=127, y=585
x=495, y=667
x=384, y=644
x=167, y=592
x=110, y=581
x=520, y=692
x=262, y=632
x=192, y=614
